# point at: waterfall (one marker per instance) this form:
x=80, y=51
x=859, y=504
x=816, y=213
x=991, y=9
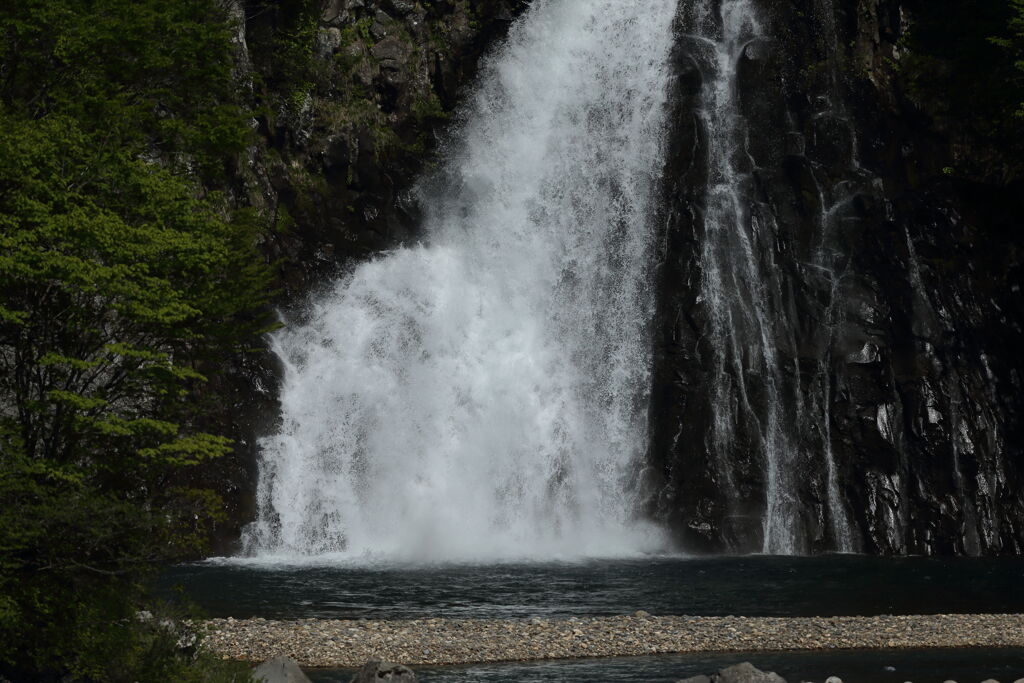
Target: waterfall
x=483, y=395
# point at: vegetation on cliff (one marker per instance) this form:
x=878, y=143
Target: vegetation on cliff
x=963, y=65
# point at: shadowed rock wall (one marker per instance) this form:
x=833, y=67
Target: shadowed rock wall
x=893, y=298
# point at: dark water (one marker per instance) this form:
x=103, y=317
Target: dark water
x=752, y=586
x=857, y=666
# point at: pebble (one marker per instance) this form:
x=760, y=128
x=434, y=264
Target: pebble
x=350, y=643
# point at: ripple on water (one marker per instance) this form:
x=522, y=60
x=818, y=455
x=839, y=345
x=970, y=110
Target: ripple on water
x=861, y=666
x=754, y=586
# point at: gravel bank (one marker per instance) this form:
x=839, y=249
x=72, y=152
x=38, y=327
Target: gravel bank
x=339, y=643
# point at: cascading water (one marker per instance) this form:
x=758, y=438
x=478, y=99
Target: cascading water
x=483, y=396
x=735, y=290
x=769, y=437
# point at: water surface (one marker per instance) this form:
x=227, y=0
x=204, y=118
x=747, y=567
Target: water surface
x=855, y=666
x=836, y=585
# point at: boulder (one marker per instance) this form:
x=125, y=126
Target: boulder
x=376, y=672
x=747, y=673
x=279, y=670
x=740, y=673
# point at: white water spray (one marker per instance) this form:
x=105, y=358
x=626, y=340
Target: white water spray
x=483, y=396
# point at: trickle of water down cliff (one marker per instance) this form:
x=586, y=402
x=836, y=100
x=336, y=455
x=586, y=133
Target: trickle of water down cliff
x=668, y=296
x=751, y=404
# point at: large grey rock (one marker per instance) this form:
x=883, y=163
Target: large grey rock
x=746, y=673
x=390, y=49
x=740, y=673
x=279, y=670
x=376, y=672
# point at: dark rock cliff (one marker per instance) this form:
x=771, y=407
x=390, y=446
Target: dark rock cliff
x=890, y=295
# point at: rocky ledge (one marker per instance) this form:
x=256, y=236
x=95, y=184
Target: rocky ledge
x=347, y=643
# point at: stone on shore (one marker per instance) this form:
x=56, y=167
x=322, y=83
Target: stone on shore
x=375, y=671
x=739, y=673
x=279, y=670
x=746, y=673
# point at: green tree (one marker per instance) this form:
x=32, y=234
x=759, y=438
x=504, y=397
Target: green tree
x=119, y=288
x=124, y=282
x=156, y=76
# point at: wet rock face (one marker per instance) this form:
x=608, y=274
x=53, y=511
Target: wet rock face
x=345, y=130
x=891, y=300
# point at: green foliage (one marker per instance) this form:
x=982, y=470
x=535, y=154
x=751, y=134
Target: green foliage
x=286, y=68
x=147, y=73
x=963, y=67
x=1012, y=42
x=68, y=592
x=359, y=29
x=118, y=282
x=123, y=282
x=428, y=107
